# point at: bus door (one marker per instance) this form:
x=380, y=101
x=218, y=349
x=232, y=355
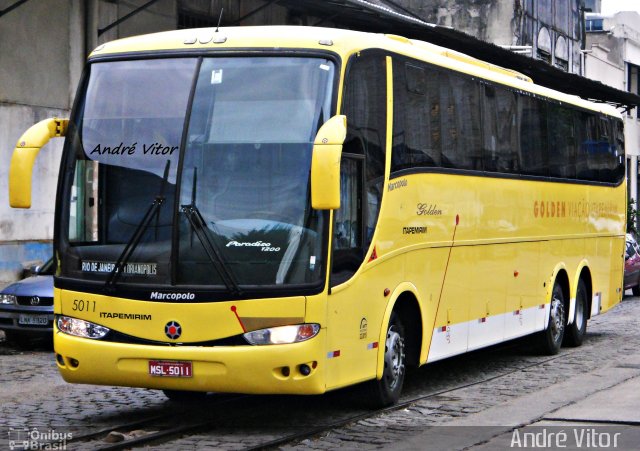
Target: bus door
x=356, y=302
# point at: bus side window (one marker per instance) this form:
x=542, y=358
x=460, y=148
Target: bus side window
x=460, y=119
x=562, y=142
x=534, y=153
x=413, y=125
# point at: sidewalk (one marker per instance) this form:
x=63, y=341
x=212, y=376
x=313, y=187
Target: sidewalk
x=583, y=412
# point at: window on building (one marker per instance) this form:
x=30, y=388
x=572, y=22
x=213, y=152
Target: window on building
x=594, y=24
x=544, y=45
x=562, y=53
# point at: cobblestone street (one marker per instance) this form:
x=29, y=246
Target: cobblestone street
x=469, y=390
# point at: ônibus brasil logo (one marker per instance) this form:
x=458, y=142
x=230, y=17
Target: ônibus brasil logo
x=173, y=330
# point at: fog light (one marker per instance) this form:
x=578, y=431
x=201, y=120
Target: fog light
x=305, y=370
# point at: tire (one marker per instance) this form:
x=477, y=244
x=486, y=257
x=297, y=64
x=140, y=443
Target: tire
x=183, y=396
x=386, y=391
x=636, y=290
x=550, y=340
x=575, y=332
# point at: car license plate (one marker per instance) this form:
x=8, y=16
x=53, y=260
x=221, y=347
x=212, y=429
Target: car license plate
x=33, y=320
x=169, y=368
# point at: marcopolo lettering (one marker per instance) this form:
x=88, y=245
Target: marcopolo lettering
x=397, y=184
x=172, y=296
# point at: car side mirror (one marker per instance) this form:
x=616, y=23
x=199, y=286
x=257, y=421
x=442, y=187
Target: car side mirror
x=325, y=164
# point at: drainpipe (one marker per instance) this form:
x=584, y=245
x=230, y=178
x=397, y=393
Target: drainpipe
x=91, y=26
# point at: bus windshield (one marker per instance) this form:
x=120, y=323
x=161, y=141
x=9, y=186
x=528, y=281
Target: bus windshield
x=202, y=183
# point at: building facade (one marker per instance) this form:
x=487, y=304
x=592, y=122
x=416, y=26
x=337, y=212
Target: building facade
x=612, y=56
x=544, y=29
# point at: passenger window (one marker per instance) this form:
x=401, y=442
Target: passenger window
x=500, y=133
x=562, y=142
x=460, y=118
x=534, y=156
x=414, y=124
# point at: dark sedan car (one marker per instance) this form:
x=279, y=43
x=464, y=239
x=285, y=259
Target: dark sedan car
x=26, y=306
x=632, y=266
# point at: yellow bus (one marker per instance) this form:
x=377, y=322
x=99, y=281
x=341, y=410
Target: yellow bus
x=296, y=210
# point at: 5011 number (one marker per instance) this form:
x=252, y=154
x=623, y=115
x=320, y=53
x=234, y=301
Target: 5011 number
x=80, y=305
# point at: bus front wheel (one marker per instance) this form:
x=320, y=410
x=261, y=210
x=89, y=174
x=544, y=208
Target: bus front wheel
x=386, y=391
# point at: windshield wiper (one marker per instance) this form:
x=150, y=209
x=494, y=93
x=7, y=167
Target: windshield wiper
x=132, y=244
x=199, y=226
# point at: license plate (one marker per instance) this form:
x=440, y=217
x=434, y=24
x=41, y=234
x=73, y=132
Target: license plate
x=164, y=368
x=33, y=320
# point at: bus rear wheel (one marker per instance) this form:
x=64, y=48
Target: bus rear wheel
x=576, y=331
x=386, y=391
x=550, y=340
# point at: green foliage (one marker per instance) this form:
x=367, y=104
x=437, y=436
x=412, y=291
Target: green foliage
x=632, y=217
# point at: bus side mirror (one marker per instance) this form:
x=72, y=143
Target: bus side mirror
x=325, y=164
x=24, y=156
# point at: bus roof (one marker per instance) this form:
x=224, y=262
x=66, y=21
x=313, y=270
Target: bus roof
x=339, y=41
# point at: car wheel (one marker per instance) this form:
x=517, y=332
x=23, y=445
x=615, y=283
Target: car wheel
x=550, y=339
x=636, y=290
x=183, y=396
x=575, y=332
x=386, y=391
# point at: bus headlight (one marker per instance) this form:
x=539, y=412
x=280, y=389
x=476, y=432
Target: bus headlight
x=81, y=328
x=8, y=299
x=282, y=334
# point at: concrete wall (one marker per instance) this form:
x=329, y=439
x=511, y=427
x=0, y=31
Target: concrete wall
x=36, y=71
x=161, y=16
x=602, y=64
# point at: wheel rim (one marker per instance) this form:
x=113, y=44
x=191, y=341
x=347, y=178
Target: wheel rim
x=556, y=318
x=394, y=358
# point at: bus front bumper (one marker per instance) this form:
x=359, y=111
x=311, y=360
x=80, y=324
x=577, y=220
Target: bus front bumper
x=275, y=369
